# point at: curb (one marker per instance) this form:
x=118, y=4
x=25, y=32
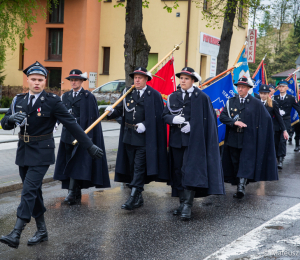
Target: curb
x=19, y=186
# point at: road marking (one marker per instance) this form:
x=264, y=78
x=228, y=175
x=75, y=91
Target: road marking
x=254, y=245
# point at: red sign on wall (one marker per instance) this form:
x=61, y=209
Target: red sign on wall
x=251, y=46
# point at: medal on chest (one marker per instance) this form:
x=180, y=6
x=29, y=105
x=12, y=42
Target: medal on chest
x=39, y=111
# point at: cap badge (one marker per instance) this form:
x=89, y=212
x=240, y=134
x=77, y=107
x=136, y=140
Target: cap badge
x=140, y=68
x=73, y=72
x=42, y=98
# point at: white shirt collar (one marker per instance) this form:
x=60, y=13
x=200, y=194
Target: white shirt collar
x=76, y=91
x=263, y=101
x=190, y=90
x=282, y=96
x=243, y=97
x=36, y=96
x=142, y=90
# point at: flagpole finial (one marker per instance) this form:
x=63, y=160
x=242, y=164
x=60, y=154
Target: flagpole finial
x=238, y=64
x=265, y=56
x=246, y=42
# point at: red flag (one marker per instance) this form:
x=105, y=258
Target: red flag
x=165, y=84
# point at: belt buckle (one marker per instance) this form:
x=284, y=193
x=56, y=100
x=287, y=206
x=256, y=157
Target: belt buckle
x=26, y=139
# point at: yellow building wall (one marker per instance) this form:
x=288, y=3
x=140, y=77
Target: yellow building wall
x=14, y=76
x=163, y=30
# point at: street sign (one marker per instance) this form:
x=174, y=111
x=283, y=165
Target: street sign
x=251, y=50
x=92, y=79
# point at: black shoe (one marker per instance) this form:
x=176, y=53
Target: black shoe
x=187, y=204
x=139, y=201
x=41, y=235
x=290, y=140
x=181, y=201
x=74, y=194
x=130, y=203
x=13, y=238
x=280, y=163
x=241, y=189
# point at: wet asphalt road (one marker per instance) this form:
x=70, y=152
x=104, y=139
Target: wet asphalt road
x=100, y=229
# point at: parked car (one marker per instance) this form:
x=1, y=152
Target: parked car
x=110, y=92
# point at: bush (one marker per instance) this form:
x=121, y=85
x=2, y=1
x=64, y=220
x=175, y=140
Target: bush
x=6, y=101
x=101, y=111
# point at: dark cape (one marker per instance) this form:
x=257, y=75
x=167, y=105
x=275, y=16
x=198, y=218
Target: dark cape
x=258, y=157
x=81, y=166
x=203, y=169
x=156, y=142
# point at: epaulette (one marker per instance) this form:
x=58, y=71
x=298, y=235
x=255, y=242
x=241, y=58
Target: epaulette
x=21, y=94
x=52, y=95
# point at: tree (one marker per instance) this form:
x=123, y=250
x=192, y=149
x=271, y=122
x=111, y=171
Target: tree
x=16, y=19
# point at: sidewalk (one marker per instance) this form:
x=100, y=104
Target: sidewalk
x=9, y=171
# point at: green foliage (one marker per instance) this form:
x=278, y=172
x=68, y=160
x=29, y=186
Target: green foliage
x=1, y=116
x=16, y=20
x=6, y=101
x=2, y=77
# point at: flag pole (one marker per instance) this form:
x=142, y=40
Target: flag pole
x=259, y=66
x=221, y=74
x=238, y=57
x=265, y=75
x=176, y=47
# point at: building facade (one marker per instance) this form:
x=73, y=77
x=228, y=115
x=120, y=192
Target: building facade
x=89, y=35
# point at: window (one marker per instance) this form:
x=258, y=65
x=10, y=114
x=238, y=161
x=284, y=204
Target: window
x=240, y=19
x=57, y=15
x=55, y=44
x=54, y=78
x=152, y=60
x=106, y=57
x=121, y=86
x=109, y=87
x=21, y=56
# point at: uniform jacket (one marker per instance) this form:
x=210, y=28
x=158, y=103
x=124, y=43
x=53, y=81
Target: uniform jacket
x=73, y=106
x=51, y=110
x=257, y=159
x=286, y=105
x=236, y=110
x=177, y=139
x=278, y=123
x=155, y=137
x=93, y=173
x=203, y=168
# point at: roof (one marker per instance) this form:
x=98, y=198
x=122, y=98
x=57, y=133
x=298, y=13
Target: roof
x=283, y=74
x=298, y=61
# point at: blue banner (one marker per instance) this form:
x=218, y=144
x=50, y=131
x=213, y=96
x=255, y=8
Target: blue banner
x=291, y=91
x=258, y=79
x=241, y=70
x=219, y=92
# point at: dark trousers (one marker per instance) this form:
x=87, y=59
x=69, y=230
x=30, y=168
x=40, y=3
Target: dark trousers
x=235, y=154
x=179, y=158
x=32, y=203
x=280, y=144
x=137, y=163
x=297, y=131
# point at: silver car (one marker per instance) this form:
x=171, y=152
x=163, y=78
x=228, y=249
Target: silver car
x=110, y=92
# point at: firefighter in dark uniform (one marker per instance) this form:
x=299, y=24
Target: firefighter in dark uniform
x=193, y=131
x=285, y=103
x=142, y=142
x=246, y=156
x=36, y=112
x=272, y=107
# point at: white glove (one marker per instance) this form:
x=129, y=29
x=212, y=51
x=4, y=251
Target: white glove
x=187, y=128
x=55, y=128
x=178, y=120
x=109, y=108
x=282, y=112
x=140, y=128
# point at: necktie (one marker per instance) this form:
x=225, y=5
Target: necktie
x=75, y=94
x=242, y=101
x=281, y=98
x=138, y=94
x=186, y=97
x=30, y=102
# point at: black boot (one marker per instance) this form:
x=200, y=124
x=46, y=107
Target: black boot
x=41, y=235
x=241, y=189
x=297, y=148
x=280, y=163
x=139, y=201
x=181, y=201
x=74, y=194
x=13, y=238
x=129, y=204
x=187, y=204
